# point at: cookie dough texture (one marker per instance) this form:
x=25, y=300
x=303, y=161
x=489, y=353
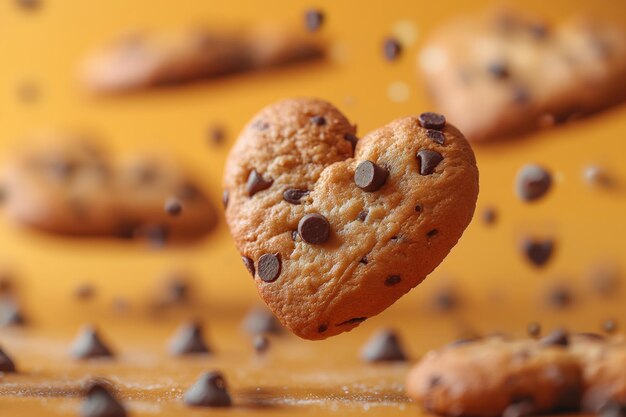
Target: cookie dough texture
x=141, y=60
x=68, y=185
x=369, y=260
x=506, y=73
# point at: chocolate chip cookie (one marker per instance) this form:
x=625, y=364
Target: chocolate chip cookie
x=523, y=72
x=334, y=229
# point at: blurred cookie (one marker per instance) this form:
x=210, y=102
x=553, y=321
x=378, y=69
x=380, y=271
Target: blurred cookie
x=505, y=73
x=143, y=60
x=68, y=185
x=485, y=377
x=323, y=226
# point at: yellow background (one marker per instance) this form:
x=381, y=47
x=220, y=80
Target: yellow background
x=500, y=290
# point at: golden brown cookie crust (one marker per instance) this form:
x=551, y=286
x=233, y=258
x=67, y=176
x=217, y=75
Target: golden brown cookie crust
x=326, y=289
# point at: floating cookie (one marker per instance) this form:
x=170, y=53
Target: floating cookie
x=320, y=265
x=70, y=186
x=522, y=72
x=143, y=60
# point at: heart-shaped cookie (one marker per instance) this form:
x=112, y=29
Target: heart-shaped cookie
x=334, y=230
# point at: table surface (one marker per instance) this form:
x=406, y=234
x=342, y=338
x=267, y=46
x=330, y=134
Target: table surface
x=498, y=290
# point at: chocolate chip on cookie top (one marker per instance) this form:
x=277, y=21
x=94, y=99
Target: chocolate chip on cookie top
x=392, y=280
x=428, y=161
x=369, y=176
x=314, y=228
x=269, y=266
x=318, y=120
x=430, y=120
x=436, y=136
x=257, y=183
x=294, y=195
x=173, y=206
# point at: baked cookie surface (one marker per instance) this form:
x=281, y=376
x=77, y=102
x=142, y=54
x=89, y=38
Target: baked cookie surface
x=335, y=233
x=506, y=73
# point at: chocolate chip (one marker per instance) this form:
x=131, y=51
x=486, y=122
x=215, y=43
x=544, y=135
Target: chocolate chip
x=538, y=252
x=364, y=260
x=428, y=161
x=260, y=343
x=28, y=92
x=313, y=228
x=11, y=314
x=216, y=135
x=28, y=4
x=605, y=280
x=430, y=120
x=225, y=196
x=392, y=49
x=313, y=19
x=432, y=233
x=293, y=195
x=85, y=292
x=596, y=175
x=209, y=391
x=559, y=297
x=89, y=345
x=6, y=363
x=352, y=139
x=260, y=125
x=259, y=321
x=445, y=300
x=523, y=408
x=362, y=215
x=156, y=234
x=99, y=402
x=533, y=182
x=609, y=326
x=176, y=289
x=498, y=70
x=384, y=346
x=538, y=30
x=558, y=337
x=533, y=329
x=173, y=207
x=188, y=340
x=370, y=177
x=418, y=208
x=392, y=280
x=269, y=267
x=354, y=320
x=318, y=120
x=257, y=183
x=489, y=215
x=436, y=136
x=249, y=264
x=322, y=328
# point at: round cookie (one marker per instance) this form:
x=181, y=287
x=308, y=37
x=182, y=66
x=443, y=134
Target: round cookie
x=390, y=210
x=482, y=378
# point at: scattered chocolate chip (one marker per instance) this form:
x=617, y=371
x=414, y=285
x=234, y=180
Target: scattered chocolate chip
x=89, y=345
x=364, y=260
x=176, y=289
x=533, y=329
x=29, y=5
x=156, y=234
x=173, y=207
x=430, y=120
x=432, y=233
x=418, y=208
x=538, y=252
x=352, y=139
x=533, y=182
x=383, y=346
x=257, y=183
x=498, y=70
x=445, y=300
x=216, y=135
x=428, y=161
x=260, y=321
x=260, y=343
x=370, y=177
x=28, y=92
x=294, y=235
x=392, y=280
x=209, y=391
x=605, y=279
x=489, y=215
x=322, y=328
x=392, y=49
x=249, y=264
x=558, y=337
x=362, y=215
x=225, y=196
x=99, y=402
x=609, y=326
x=436, y=136
x=188, y=191
x=519, y=409
x=85, y=292
x=318, y=120
x=313, y=19
x=6, y=363
x=293, y=195
x=11, y=314
x=596, y=175
x=187, y=340
x=313, y=228
x=354, y=320
x=559, y=297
